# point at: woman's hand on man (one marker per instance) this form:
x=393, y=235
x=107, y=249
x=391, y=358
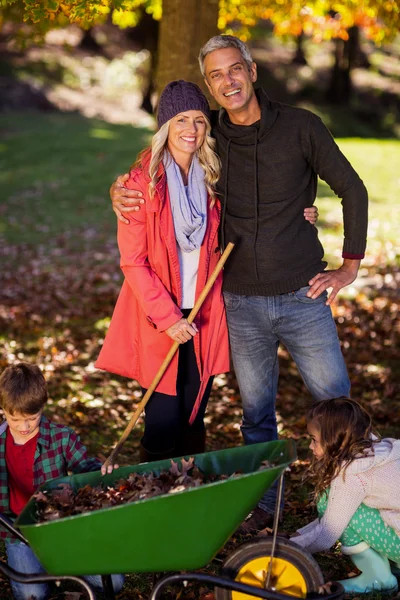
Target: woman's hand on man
x=123, y=199
x=182, y=331
x=311, y=214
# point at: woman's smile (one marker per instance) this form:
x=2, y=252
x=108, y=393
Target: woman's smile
x=186, y=133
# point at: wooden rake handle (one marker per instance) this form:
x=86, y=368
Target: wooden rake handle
x=111, y=459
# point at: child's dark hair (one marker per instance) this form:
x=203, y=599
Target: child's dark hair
x=345, y=431
x=23, y=389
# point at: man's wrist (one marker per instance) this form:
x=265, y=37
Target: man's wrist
x=351, y=264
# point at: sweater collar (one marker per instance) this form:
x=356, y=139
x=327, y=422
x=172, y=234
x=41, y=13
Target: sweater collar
x=245, y=135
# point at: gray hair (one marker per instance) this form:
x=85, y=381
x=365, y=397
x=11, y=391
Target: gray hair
x=218, y=42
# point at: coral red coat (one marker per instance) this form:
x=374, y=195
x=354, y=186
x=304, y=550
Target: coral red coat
x=136, y=343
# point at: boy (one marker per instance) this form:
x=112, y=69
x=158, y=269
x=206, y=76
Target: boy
x=32, y=451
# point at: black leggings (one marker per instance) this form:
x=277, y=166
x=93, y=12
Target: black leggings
x=167, y=417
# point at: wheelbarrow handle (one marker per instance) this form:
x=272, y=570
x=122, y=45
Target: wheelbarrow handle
x=111, y=459
x=44, y=578
x=242, y=588
x=233, y=585
x=7, y=524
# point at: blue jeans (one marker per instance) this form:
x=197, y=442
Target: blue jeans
x=257, y=324
x=21, y=558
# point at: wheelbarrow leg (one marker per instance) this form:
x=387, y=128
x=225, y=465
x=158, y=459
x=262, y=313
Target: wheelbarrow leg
x=108, y=588
x=275, y=529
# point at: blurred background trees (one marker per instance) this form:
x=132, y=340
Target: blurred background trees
x=173, y=31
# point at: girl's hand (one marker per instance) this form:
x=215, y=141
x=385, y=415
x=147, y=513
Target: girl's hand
x=182, y=331
x=107, y=470
x=311, y=214
x=326, y=588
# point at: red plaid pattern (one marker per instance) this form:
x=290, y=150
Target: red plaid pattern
x=58, y=451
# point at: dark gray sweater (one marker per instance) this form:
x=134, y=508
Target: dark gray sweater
x=269, y=175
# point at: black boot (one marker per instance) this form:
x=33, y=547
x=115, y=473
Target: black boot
x=192, y=442
x=146, y=456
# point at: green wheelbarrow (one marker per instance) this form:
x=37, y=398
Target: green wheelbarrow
x=180, y=531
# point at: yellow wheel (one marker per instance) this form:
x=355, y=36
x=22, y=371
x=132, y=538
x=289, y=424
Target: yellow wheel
x=294, y=571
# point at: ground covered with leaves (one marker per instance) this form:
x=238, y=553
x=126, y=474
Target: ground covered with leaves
x=60, y=278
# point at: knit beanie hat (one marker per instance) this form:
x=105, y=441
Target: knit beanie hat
x=179, y=96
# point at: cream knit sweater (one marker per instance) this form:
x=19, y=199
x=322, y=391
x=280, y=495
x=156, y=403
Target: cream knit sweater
x=373, y=480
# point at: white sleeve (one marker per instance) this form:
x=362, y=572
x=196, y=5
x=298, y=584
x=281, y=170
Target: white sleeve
x=344, y=499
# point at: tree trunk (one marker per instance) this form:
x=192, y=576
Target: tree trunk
x=299, y=58
x=337, y=86
x=346, y=56
x=185, y=27
x=89, y=43
x=146, y=35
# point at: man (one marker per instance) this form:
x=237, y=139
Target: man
x=275, y=280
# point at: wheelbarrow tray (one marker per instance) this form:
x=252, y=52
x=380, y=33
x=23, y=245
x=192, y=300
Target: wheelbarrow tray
x=179, y=531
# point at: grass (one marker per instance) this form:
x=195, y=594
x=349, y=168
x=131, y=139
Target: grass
x=376, y=161
x=55, y=171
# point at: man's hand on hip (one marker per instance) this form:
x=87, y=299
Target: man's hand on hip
x=336, y=280
x=124, y=200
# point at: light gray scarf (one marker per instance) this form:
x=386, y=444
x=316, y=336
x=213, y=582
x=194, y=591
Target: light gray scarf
x=189, y=207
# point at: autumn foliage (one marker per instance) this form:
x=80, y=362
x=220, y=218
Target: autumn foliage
x=63, y=502
x=320, y=19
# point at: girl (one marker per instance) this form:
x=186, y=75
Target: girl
x=357, y=491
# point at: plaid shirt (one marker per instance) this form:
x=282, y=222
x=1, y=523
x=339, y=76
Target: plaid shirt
x=58, y=451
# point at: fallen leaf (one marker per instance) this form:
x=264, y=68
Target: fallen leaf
x=265, y=532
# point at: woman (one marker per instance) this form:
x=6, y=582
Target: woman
x=168, y=250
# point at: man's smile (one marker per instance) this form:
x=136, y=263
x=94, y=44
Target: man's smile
x=232, y=92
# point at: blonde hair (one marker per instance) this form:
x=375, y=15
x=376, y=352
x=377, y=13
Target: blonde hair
x=208, y=159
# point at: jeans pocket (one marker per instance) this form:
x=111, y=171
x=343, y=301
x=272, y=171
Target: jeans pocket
x=232, y=301
x=301, y=296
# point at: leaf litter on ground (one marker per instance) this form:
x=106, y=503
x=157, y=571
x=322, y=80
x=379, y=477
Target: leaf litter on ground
x=63, y=502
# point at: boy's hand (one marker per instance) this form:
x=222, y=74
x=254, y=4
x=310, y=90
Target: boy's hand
x=107, y=470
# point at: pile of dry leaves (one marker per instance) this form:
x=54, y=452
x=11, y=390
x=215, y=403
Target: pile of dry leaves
x=63, y=502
